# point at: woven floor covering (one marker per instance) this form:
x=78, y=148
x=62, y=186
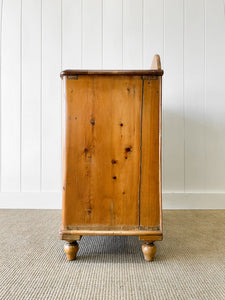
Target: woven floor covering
x=189, y=264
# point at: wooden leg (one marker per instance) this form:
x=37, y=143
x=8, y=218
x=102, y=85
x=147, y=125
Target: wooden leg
x=149, y=250
x=71, y=249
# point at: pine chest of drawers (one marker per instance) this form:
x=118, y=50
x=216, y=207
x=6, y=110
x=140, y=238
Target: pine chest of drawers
x=112, y=156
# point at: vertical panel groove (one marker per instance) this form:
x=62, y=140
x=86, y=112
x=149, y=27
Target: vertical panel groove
x=14, y=38
x=102, y=34
x=142, y=34
x=173, y=135
x=21, y=100
x=194, y=95
x=51, y=66
x=224, y=8
x=139, y=202
x=184, y=114
x=11, y=60
x=1, y=97
x=163, y=32
x=41, y=97
x=215, y=93
x=61, y=32
x=30, y=94
x=122, y=34
x=204, y=95
x=163, y=102
x=92, y=29
x=82, y=33
x=132, y=34
x=60, y=151
x=112, y=34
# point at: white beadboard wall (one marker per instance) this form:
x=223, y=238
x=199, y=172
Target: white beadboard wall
x=39, y=38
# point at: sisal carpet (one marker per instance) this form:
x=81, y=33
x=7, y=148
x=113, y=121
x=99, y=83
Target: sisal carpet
x=189, y=261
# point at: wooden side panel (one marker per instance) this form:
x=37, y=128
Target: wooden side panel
x=150, y=200
x=101, y=165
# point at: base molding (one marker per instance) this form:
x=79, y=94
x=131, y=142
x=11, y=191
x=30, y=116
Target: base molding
x=193, y=201
x=109, y=230
x=31, y=200
x=52, y=200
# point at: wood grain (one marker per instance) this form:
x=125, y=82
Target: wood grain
x=71, y=249
x=150, y=203
x=112, y=72
x=69, y=237
x=156, y=63
x=151, y=237
x=149, y=251
x=101, y=163
x=112, y=230
x=112, y=156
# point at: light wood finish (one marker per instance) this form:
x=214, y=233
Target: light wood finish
x=150, y=203
x=156, y=72
x=151, y=237
x=110, y=230
x=101, y=166
x=71, y=249
x=112, y=155
x=156, y=63
x=69, y=237
x=149, y=251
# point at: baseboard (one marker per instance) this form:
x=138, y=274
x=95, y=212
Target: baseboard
x=193, y=201
x=52, y=200
x=31, y=200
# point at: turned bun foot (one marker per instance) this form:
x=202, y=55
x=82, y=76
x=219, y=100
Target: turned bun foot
x=149, y=251
x=71, y=249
